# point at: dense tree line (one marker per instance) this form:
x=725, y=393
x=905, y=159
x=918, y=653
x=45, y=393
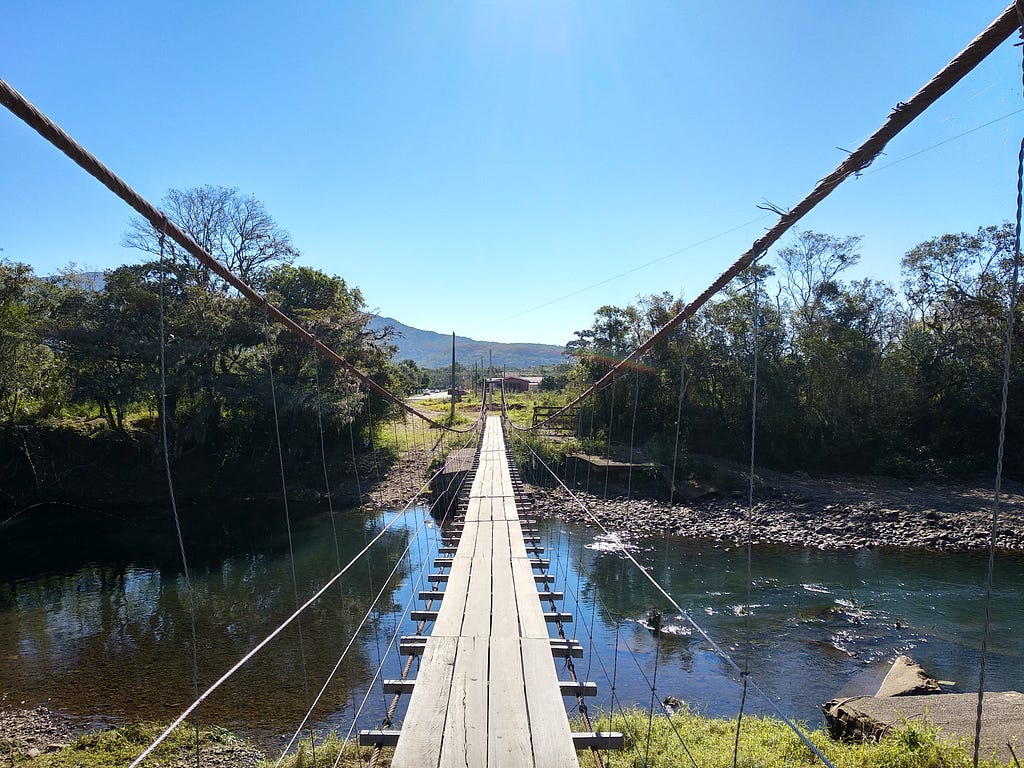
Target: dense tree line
x=75, y=345
x=853, y=376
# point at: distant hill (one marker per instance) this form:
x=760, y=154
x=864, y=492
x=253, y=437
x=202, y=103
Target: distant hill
x=434, y=350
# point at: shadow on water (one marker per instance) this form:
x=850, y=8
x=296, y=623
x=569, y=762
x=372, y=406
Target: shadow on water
x=819, y=625
x=94, y=614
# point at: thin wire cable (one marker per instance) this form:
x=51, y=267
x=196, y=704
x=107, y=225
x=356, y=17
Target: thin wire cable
x=260, y=646
x=941, y=143
x=284, y=493
x=355, y=635
x=608, y=444
x=1011, y=309
x=637, y=268
x=750, y=515
x=632, y=436
x=170, y=484
x=654, y=688
x=679, y=416
x=610, y=612
x=372, y=682
x=718, y=650
x=323, y=453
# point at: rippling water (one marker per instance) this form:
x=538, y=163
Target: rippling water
x=819, y=624
x=94, y=617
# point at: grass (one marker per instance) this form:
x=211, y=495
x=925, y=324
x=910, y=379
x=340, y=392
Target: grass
x=767, y=741
x=763, y=742
x=327, y=753
x=116, y=748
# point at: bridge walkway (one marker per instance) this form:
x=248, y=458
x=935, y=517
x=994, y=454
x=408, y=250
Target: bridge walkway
x=487, y=693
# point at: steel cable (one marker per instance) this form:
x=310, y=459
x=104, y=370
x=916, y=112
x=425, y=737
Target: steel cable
x=277, y=631
x=1011, y=310
x=902, y=115
x=718, y=650
x=170, y=484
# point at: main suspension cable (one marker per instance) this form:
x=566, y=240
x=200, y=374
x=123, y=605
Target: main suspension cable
x=902, y=115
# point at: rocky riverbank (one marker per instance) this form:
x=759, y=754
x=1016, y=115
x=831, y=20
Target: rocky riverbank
x=28, y=734
x=827, y=513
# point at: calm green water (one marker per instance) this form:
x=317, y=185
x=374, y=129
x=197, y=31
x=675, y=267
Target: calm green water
x=94, y=618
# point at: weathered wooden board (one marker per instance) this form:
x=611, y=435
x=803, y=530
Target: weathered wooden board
x=428, y=706
x=487, y=692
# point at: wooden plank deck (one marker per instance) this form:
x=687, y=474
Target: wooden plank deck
x=487, y=692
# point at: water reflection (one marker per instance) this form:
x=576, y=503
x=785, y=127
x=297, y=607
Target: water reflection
x=105, y=630
x=115, y=639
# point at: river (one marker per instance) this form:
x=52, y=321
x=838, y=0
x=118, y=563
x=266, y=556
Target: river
x=94, y=616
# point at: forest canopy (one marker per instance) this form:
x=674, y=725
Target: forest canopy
x=79, y=344
x=853, y=376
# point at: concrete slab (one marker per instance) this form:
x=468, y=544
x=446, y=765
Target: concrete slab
x=870, y=717
x=907, y=678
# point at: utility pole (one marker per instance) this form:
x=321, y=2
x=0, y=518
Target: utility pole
x=451, y=421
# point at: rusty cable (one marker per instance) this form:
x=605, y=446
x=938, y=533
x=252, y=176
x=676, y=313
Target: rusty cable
x=899, y=118
x=45, y=127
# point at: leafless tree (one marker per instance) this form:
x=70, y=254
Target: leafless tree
x=234, y=228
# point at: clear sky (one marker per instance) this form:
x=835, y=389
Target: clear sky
x=495, y=168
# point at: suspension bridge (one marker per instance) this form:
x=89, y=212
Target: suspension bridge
x=487, y=692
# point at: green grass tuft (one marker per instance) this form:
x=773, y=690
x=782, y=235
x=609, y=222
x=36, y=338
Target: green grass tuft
x=766, y=741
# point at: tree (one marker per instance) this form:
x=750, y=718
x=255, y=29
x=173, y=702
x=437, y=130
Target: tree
x=233, y=228
x=29, y=374
x=957, y=287
x=809, y=268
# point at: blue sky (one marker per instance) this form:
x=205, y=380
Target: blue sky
x=492, y=168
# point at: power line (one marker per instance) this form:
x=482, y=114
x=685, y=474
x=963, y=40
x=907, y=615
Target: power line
x=943, y=142
x=637, y=268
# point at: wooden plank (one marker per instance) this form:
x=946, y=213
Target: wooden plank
x=531, y=617
x=509, y=736
x=477, y=619
x=598, y=740
x=371, y=738
x=552, y=744
x=428, y=706
x=465, y=730
x=505, y=618
x=450, y=615
x=486, y=711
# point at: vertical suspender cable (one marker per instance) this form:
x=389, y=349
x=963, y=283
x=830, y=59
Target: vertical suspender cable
x=1011, y=311
x=284, y=492
x=632, y=435
x=170, y=485
x=750, y=514
x=679, y=416
x=323, y=452
x=608, y=445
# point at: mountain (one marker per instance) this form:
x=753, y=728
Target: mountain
x=434, y=350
